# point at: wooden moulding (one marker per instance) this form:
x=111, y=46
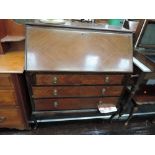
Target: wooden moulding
x=11, y=34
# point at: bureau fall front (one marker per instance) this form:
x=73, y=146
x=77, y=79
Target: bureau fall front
x=72, y=70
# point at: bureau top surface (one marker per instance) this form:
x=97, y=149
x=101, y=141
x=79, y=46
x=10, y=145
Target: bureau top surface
x=77, y=50
x=12, y=62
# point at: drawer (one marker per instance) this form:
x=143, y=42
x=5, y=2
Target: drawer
x=72, y=103
x=5, y=80
x=146, y=93
x=77, y=79
x=11, y=118
x=76, y=91
x=7, y=97
x=144, y=98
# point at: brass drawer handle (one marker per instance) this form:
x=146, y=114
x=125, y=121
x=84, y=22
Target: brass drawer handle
x=103, y=91
x=107, y=79
x=55, y=104
x=55, y=80
x=2, y=119
x=100, y=102
x=55, y=92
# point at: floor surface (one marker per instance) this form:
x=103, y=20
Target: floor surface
x=89, y=127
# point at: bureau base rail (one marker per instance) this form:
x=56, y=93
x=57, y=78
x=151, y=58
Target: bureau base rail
x=90, y=117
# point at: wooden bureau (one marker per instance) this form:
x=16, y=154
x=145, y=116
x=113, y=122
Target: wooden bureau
x=74, y=69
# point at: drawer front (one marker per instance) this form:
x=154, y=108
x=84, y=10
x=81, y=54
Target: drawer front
x=5, y=80
x=76, y=91
x=144, y=98
x=74, y=79
x=72, y=103
x=11, y=118
x=146, y=93
x=7, y=97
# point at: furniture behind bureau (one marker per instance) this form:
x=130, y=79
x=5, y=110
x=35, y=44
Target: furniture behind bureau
x=143, y=90
x=72, y=70
x=13, y=111
x=145, y=53
x=14, y=99
x=12, y=35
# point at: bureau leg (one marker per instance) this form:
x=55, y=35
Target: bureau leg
x=124, y=104
x=35, y=123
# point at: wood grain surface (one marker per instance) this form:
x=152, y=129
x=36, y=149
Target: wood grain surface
x=62, y=49
x=72, y=104
x=12, y=62
x=76, y=91
x=77, y=79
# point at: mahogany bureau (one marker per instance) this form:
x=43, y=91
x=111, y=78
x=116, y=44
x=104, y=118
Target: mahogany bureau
x=73, y=69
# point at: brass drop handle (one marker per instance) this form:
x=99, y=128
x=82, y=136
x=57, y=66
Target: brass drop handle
x=107, y=79
x=103, y=91
x=55, y=103
x=55, y=92
x=2, y=119
x=100, y=102
x=55, y=80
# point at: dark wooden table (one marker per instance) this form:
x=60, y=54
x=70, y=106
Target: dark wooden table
x=140, y=93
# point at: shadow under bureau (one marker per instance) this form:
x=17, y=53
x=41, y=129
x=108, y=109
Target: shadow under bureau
x=72, y=70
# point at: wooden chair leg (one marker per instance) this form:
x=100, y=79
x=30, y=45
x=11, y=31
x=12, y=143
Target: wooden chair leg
x=133, y=109
x=112, y=116
x=130, y=116
x=121, y=108
x=121, y=111
x=118, y=112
